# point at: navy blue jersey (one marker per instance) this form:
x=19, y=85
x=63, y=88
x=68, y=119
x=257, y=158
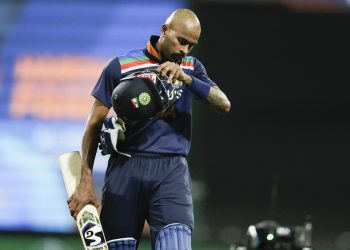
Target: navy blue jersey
x=168, y=133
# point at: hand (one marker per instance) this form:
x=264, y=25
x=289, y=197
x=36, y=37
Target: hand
x=83, y=195
x=174, y=73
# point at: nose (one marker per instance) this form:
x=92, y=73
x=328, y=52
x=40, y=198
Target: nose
x=184, y=50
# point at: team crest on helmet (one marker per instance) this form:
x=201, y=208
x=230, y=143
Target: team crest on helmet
x=144, y=98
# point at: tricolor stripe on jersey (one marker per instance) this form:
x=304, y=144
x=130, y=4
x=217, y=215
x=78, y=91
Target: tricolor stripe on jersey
x=137, y=60
x=130, y=64
x=187, y=63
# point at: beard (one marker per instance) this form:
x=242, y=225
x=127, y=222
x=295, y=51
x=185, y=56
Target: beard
x=173, y=57
x=176, y=58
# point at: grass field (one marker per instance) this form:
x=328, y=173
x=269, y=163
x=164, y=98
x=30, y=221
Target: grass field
x=16, y=241
x=49, y=242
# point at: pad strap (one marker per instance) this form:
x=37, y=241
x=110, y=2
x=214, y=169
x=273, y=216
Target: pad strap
x=122, y=244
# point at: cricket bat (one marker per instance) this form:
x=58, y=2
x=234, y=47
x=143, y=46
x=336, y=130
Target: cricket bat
x=88, y=220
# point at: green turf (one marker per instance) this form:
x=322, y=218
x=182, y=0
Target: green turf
x=17, y=241
x=39, y=242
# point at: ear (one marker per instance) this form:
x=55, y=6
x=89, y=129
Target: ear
x=164, y=29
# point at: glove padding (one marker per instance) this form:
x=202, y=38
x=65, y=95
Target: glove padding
x=111, y=134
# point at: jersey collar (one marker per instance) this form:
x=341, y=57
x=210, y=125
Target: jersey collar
x=151, y=50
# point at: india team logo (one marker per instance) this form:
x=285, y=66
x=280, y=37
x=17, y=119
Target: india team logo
x=144, y=98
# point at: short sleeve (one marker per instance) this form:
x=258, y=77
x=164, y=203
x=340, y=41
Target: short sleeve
x=108, y=80
x=201, y=73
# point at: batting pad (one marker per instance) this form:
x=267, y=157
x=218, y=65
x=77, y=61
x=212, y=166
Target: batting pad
x=122, y=244
x=175, y=237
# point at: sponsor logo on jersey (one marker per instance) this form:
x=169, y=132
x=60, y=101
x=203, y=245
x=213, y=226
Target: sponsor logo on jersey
x=174, y=94
x=174, y=90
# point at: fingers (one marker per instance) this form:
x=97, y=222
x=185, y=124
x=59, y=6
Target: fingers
x=163, y=69
x=75, y=204
x=79, y=206
x=80, y=199
x=77, y=210
x=171, y=78
x=69, y=200
x=96, y=204
x=170, y=69
x=177, y=75
x=72, y=205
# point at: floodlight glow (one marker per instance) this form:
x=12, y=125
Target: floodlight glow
x=270, y=237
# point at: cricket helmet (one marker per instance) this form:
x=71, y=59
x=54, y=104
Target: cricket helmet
x=139, y=96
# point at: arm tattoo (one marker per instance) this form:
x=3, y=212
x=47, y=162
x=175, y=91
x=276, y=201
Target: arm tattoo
x=218, y=100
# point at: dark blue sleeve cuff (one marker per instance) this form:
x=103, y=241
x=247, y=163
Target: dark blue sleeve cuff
x=199, y=88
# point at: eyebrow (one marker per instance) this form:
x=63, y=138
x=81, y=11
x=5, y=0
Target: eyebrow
x=185, y=40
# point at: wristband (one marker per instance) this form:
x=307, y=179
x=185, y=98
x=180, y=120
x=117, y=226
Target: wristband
x=199, y=87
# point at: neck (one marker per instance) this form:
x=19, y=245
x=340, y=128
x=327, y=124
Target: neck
x=157, y=48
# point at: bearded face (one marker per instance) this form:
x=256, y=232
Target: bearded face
x=176, y=43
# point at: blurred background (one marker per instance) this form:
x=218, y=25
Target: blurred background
x=281, y=154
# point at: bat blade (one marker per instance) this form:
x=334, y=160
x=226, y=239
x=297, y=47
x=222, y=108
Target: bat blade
x=70, y=164
x=88, y=220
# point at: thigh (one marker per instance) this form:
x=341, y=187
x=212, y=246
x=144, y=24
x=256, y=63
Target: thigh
x=171, y=201
x=122, y=213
